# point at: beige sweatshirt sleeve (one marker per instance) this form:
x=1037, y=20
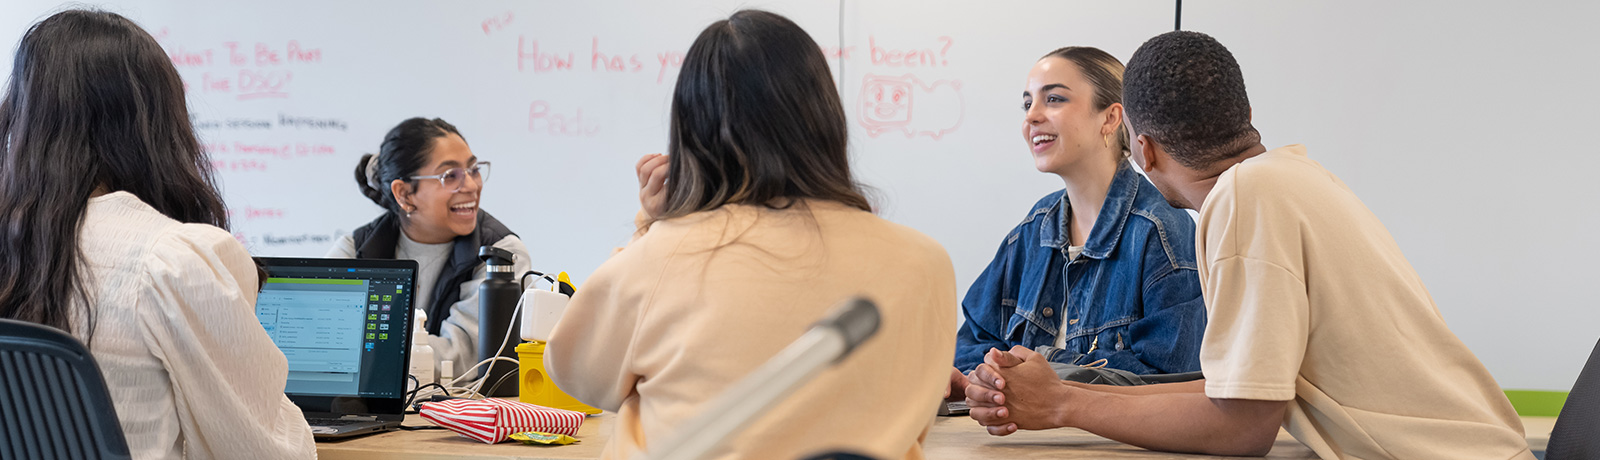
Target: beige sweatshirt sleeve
x=589, y=353
x=641, y=225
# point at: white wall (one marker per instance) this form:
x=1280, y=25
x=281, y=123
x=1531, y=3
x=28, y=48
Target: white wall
x=1459, y=124
x=1466, y=126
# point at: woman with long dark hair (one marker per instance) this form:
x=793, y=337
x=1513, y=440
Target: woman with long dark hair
x=111, y=228
x=429, y=182
x=760, y=230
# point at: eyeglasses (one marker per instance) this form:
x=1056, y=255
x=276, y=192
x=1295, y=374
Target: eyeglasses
x=454, y=178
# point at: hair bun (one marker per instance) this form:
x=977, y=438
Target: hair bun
x=367, y=178
x=371, y=162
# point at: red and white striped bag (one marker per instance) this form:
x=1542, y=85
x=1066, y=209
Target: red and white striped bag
x=493, y=420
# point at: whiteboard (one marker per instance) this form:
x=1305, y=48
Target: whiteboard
x=1415, y=106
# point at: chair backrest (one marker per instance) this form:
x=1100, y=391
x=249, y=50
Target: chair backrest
x=1577, y=431
x=53, y=400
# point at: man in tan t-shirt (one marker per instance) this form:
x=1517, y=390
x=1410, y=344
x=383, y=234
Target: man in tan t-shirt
x=1316, y=320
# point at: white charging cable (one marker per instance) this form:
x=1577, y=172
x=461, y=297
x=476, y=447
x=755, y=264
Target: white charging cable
x=472, y=388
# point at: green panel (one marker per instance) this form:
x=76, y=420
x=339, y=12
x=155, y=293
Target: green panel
x=1533, y=403
x=312, y=281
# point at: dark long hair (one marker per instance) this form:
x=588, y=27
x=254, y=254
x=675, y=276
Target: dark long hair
x=404, y=151
x=93, y=102
x=756, y=120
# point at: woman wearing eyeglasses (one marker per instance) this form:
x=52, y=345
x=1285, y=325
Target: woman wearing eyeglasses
x=428, y=182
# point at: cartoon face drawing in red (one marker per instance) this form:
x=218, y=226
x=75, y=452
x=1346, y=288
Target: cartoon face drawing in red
x=888, y=103
x=885, y=104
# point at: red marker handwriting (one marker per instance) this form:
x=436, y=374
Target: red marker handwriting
x=253, y=213
x=529, y=56
x=541, y=120
x=297, y=53
x=914, y=57
x=669, y=59
x=257, y=84
x=246, y=165
x=612, y=63
x=497, y=23
x=834, y=52
x=189, y=58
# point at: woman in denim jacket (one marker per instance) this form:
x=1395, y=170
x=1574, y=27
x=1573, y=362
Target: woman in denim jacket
x=1101, y=272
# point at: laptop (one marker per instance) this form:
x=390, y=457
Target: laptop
x=953, y=408
x=344, y=325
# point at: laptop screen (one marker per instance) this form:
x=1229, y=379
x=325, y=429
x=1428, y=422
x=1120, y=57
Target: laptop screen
x=343, y=324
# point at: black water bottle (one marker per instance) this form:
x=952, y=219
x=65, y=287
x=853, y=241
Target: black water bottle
x=497, y=302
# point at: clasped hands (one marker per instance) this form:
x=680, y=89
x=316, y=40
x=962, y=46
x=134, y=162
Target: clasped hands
x=1013, y=390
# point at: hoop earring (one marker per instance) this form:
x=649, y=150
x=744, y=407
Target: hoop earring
x=1108, y=140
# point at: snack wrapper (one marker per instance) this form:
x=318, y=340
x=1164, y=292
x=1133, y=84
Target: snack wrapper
x=549, y=439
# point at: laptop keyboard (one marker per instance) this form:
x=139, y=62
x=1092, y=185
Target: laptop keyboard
x=333, y=422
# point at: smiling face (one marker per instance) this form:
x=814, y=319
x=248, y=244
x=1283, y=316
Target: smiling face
x=438, y=213
x=1060, y=123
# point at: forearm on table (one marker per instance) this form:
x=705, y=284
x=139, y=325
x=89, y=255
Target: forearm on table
x=1196, y=386
x=1179, y=421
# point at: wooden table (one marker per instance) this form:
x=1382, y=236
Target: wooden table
x=952, y=438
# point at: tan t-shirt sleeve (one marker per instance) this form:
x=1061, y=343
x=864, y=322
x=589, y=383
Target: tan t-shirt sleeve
x=1257, y=329
x=1257, y=306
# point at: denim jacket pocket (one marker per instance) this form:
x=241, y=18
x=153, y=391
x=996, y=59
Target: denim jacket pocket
x=1016, y=327
x=1028, y=331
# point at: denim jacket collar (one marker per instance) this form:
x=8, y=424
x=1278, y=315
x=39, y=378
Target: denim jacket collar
x=1107, y=226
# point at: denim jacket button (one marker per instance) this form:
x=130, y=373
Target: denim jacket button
x=1048, y=311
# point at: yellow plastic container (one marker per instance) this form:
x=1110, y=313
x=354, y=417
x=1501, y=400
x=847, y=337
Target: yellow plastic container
x=537, y=387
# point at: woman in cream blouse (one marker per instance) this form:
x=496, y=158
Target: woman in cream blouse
x=114, y=232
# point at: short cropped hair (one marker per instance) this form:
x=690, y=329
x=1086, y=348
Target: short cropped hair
x=1185, y=90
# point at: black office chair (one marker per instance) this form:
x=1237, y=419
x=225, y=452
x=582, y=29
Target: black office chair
x=1577, y=431
x=53, y=401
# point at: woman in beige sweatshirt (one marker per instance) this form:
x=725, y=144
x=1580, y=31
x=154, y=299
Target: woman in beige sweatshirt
x=759, y=232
